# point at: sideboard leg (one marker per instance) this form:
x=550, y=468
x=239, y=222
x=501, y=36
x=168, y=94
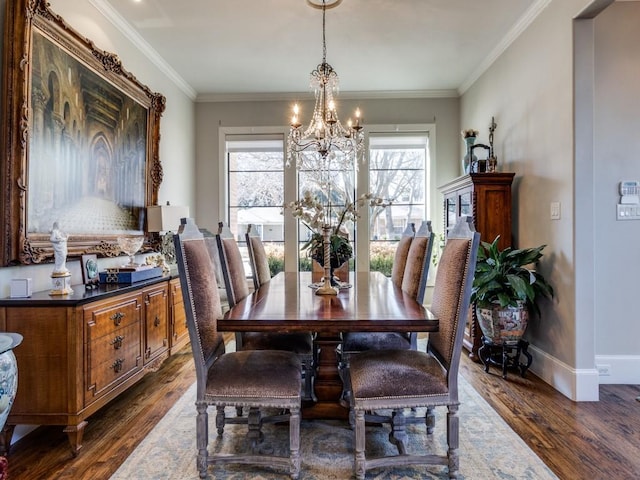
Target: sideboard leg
x=75, y=433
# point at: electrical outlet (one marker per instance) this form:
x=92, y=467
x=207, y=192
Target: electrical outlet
x=604, y=370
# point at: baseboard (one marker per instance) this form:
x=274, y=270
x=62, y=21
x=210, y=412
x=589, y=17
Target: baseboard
x=580, y=385
x=618, y=369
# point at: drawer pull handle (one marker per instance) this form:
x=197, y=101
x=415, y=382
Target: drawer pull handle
x=117, y=318
x=117, y=342
x=156, y=322
x=117, y=365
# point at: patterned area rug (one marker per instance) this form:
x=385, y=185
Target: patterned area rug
x=489, y=449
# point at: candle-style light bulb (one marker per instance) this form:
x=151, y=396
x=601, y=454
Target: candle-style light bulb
x=296, y=110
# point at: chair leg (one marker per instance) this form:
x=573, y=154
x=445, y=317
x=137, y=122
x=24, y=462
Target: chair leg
x=360, y=462
x=453, y=426
x=294, y=442
x=308, y=367
x=430, y=420
x=220, y=419
x=343, y=372
x=398, y=434
x=254, y=434
x=202, y=438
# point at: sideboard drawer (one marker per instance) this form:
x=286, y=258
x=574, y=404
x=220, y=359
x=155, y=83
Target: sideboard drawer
x=105, y=318
x=108, y=369
x=110, y=347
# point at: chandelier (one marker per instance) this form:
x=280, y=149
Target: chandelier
x=325, y=138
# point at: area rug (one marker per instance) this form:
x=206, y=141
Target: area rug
x=489, y=449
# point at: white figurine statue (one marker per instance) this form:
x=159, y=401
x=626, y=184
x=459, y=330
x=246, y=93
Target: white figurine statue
x=59, y=241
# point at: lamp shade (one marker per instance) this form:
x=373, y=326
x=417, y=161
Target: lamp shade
x=165, y=218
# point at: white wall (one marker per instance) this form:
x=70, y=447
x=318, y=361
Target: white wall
x=177, y=143
x=616, y=158
x=212, y=115
x=529, y=89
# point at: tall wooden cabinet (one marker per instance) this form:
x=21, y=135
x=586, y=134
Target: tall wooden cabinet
x=82, y=350
x=487, y=198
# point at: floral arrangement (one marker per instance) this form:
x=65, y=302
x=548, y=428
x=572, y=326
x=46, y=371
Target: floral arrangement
x=469, y=133
x=314, y=215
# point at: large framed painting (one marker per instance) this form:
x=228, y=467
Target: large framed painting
x=80, y=140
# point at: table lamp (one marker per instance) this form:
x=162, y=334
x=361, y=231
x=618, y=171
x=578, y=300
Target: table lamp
x=166, y=219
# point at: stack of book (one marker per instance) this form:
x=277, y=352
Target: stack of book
x=130, y=275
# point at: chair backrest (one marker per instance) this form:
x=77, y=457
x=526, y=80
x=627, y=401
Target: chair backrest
x=400, y=257
x=257, y=258
x=451, y=294
x=414, y=280
x=235, y=278
x=200, y=296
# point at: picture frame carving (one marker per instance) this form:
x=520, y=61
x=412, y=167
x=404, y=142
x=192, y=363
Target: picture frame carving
x=80, y=141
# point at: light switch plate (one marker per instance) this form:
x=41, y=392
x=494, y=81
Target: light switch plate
x=555, y=210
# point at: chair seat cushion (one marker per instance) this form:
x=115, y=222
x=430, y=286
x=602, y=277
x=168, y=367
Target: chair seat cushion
x=255, y=374
x=362, y=341
x=301, y=343
x=396, y=374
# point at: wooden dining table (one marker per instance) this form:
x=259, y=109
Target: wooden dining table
x=287, y=304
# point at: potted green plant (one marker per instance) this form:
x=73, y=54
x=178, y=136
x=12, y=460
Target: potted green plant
x=505, y=290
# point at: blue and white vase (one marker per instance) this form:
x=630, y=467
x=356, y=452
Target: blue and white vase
x=8, y=373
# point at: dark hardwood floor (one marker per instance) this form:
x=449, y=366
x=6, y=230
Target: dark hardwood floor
x=594, y=441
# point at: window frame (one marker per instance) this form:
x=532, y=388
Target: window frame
x=291, y=240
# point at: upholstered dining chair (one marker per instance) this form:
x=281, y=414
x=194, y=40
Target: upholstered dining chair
x=254, y=379
x=401, y=254
x=401, y=379
x=236, y=285
x=261, y=273
x=413, y=255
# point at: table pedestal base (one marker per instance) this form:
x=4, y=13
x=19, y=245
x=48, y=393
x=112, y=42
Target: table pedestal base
x=505, y=356
x=328, y=385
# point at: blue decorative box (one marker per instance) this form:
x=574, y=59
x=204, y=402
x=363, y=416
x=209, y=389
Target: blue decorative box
x=119, y=276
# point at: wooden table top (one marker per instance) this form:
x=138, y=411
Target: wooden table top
x=287, y=304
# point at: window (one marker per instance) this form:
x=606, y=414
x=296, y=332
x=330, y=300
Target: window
x=398, y=173
x=256, y=184
x=255, y=193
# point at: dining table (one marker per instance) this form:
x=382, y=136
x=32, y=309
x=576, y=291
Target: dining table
x=367, y=302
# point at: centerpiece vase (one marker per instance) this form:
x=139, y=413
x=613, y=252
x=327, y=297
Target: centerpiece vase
x=326, y=288
x=469, y=158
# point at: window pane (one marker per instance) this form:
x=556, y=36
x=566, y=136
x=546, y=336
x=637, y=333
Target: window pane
x=255, y=176
x=397, y=169
x=248, y=189
x=256, y=160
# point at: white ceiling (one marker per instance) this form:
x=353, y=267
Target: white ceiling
x=218, y=49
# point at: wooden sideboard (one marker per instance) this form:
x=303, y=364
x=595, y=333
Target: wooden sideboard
x=82, y=350
x=487, y=198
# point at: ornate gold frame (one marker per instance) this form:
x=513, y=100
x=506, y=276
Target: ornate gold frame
x=19, y=244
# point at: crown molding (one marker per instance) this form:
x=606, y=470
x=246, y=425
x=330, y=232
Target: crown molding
x=141, y=44
x=523, y=23
x=298, y=96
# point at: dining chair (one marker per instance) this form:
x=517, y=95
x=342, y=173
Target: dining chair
x=258, y=260
x=402, y=379
x=259, y=380
x=236, y=286
x=401, y=254
x=414, y=254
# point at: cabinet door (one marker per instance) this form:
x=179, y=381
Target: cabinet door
x=179, y=331
x=156, y=327
x=451, y=211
